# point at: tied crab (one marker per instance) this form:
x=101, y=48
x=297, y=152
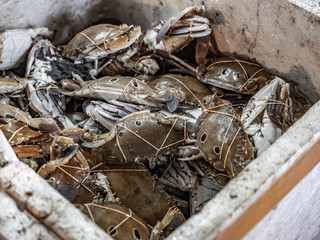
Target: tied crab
x=195, y=92
x=128, y=89
x=118, y=49
x=222, y=140
x=100, y=41
x=132, y=140
x=116, y=46
x=269, y=113
x=235, y=75
x=226, y=73
x=179, y=30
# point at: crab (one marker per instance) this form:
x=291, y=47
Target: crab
x=115, y=49
x=268, y=114
x=179, y=30
x=128, y=89
x=114, y=44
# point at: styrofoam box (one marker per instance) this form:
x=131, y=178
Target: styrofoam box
x=267, y=200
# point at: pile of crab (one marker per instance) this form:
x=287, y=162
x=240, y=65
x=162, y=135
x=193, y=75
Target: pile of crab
x=125, y=126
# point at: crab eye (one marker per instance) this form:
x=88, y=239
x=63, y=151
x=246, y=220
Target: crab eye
x=203, y=137
x=120, y=134
x=113, y=80
x=225, y=71
x=136, y=234
x=135, y=84
x=112, y=231
x=138, y=122
x=216, y=149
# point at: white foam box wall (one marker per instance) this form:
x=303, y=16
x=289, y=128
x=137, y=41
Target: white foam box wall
x=268, y=200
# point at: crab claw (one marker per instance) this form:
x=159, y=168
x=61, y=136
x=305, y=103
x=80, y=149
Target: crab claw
x=108, y=114
x=173, y=105
x=68, y=150
x=187, y=23
x=39, y=60
x=169, y=96
x=179, y=30
x=279, y=106
x=46, y=102
x=268, y=114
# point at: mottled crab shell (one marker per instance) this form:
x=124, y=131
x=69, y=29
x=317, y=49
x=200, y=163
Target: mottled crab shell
x=101, y=40
x=222, y=139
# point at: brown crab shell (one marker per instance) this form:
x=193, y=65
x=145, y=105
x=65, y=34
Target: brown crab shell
x=119, y=221
x=195, y=92
x=223, y=140
x=236, y=75
x=103, y=38
x=138, y=136
x=144, y=196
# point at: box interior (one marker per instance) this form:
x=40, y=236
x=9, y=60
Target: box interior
x=278, y=34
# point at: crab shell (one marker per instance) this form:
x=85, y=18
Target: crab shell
x=130, y=90
x=195, y=91
x=235, y=75
x=101, y=40
x=222, y=139
x=139, y=136
x=119, y=221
